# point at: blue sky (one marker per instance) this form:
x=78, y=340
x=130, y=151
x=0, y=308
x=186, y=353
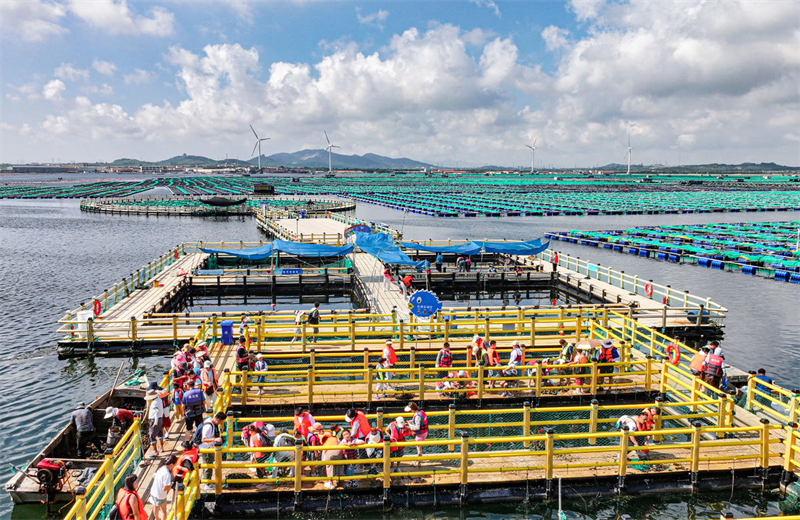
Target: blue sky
x=436, y=81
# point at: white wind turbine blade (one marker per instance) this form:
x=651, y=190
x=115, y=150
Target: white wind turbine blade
x=326, y=137
x=264, y=139
x=534, y=143
x=253, y=153
x=529, y=146
x=254, y=131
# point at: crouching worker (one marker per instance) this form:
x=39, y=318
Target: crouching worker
x=635, y=423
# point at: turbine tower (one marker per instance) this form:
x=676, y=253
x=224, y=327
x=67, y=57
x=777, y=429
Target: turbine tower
x=533, y=152
x=329, y=148
x=258, y=145
x=628, y=154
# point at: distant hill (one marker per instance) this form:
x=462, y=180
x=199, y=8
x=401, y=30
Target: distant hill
x=700, y=168
x=319, y=159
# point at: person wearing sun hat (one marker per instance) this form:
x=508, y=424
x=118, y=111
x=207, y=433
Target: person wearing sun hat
x=155, y=416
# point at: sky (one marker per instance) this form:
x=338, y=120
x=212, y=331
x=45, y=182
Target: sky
x=473, y=81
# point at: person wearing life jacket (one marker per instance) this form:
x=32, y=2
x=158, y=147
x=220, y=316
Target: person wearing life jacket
x=242, y=355
x=567, y=351
x=359, y=425
x=187, y=461
x=390, y=356
x=193, y=407
x=555, y=262
x=129, y=503
x=648, y=416
x=608, y=353
x=418, y=426
x=713, y=369
x=166, y=399
x=697, y=362
x=303, y=421
x=397, y=432
x=244, y=331
x=208, y=376
x=387, y=278
x=256, y=439
x=444, y=359
x=580, y=359
x=406, y=285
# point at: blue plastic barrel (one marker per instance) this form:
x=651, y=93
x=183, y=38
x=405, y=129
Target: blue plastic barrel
x=227, y=332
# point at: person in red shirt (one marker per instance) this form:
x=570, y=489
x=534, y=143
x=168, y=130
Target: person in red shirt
x=121, y=416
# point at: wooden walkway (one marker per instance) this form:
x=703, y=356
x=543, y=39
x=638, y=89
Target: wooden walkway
x=369, y=271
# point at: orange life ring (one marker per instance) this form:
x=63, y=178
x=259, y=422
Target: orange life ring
x=175, y=254
x=673, y=354
x=97, y=308
x=648, y=290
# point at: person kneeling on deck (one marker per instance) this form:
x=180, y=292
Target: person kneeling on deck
x=397, y=431
x=194, y=401
x=418, y=426
x=514, y=360
x=634, y=423
x=159, y=489
x=120, y=417
x=332, y=452
x=129, y=503
x=608, y=353
x=261, y=366
x=205, y=437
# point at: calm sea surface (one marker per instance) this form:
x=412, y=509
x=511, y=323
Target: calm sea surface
x=53, y=257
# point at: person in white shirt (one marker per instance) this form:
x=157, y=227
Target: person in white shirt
x=155, y=416
x=261, y=366
x=159, y=490
x=209, y=436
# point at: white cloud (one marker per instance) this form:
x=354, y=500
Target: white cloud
x=106, y=68
x=28, y=90
x=555, y=38
x=53, y=89
x=115, y=17
x=104, y=89
x=489, y=4
x=139, y=76
x=668, y=73
x=376, y=19
x=32, y=20
x=68, y=71
x=586, y=9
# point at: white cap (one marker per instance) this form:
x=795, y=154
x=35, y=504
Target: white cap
x=475, y=338
x=207, y=364
x=608, y=343
x=259, y=356
x=400, y=421
x=388, y=342
x=110, y=412
x=515, y=343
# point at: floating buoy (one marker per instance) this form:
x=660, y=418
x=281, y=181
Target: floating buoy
x=97, y=308
x=175, y=254
x=673, y=354
x=664, y=300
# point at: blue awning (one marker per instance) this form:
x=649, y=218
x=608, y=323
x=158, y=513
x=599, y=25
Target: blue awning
x=292, y=248
x=531, y=247
x=470, y=248
x=382, y=247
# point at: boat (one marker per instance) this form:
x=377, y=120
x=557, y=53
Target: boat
x=55, y=472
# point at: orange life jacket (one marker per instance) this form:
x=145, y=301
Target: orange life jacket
x=494, y=357
x=191, y=455
x=124, y=506
x=302, y=423
x=392, y=356
x=363, y=425
x=697, y=361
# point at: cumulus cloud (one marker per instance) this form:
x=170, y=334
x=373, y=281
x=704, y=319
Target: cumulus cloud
x=32, y=20
x=586, y=9
x=115, y=17
x=104, y=90
x=29, y=91
x=667, y=73
x=139, y=76
x=489, y=4
x=106, y=68
x=68, y=71
x=376, y=19
x=53, y=89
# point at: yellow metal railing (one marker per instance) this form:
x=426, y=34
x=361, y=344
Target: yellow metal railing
x=101, y=491
x=772, y=400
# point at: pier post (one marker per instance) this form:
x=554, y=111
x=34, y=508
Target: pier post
x=214, y=326
x=480, y=383
x=379, y=418
x=518, y=326
x=648, y=376
x=751, y=390
x=90, y=331
x=370, y=378
x=462, y=496
x=451, y=424
x=486, y=330
x=244, y=386
x=303, y=336
x=664, y=317
x=593, y=379
x=793, y=405
x=402, y=337
x=533, y=331
x=593, y=413
x=526, y=422
x=387, y=469
x=722, y=416
x=788, y=453
x=695, y=392
x=699, y=321
x=310, y=377
x=353, y=335
x=421, y=376
x=298, y=472
x=180, y=501
x=538, y=378
x=366, y=362
x=412, y=354
x=695, y=475
x=548, y=468
x=657, y=419
x=229, y=429
x=218, y=468
x=174, y=327
x=622, y=468
x=764, y=438
x=578, y=325
x=80, y=503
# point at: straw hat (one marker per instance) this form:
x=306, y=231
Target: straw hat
x=150, y=395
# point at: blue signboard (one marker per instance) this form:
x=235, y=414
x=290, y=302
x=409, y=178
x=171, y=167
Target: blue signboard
x=424, y=304
x=289, y=271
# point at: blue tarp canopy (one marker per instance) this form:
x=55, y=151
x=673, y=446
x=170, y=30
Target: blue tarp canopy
x=292, y=248
x=531, y=247
x=382, y=247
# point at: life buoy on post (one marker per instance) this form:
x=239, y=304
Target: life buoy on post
x=175, y=254
x=648, y=290
x=673, y=354
x=97, y=308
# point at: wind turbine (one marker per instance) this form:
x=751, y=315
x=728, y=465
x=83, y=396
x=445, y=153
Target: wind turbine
x=329, y=148
x=533, y=151
x=628, y=154
x=258, y=145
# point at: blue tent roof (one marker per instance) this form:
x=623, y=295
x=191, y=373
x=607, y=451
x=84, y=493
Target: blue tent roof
x=292, y=248
x=382, y=247
x=531, y=247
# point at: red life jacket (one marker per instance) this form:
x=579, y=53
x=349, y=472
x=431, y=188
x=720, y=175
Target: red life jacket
x=302, y=423
x=395, y=435
x=363, y=425
x=407, y=280
x=713, y=365
x=191, y=455
x=447, y=359
x=606, y=355
x=242, y=356
x=124, y=506
x=494, y=357
x=424, y=423
x=392, y=355
x=165, y=398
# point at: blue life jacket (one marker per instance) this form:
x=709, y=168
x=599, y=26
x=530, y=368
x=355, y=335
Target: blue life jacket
x=193, y=402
